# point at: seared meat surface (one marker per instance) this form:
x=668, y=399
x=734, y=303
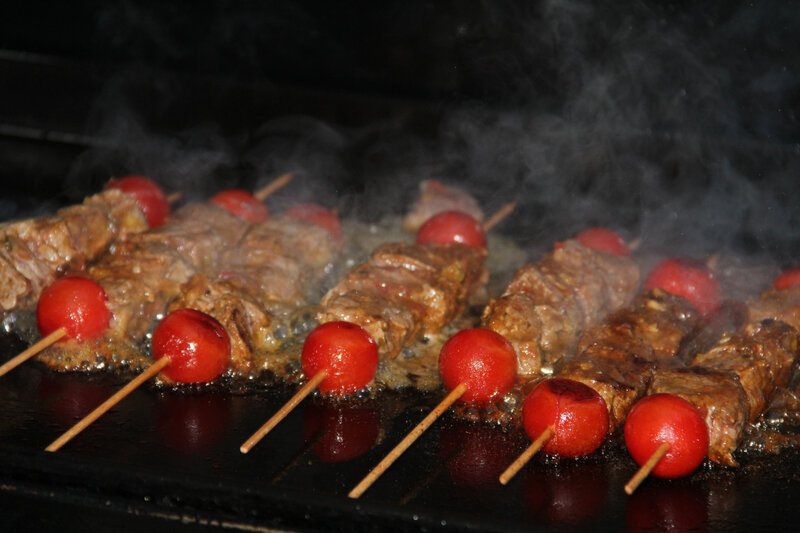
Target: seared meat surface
x=406, y=290
x=260, y=287
x=619, y=356
x=732, y=383
x=35, y=251
x=142, y=276
x=549, y=303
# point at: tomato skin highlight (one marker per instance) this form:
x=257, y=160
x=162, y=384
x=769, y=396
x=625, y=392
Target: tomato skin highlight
x=147, y=193
x=317, y=215
x=242, y=204
x=346, y=351
x=452, y=227
x=481, y=359
x=687, y=278
x=76, y=304
x=787, y=279
x=197, y=345
x=578, y=414
x=661, y=418
x=604, y=240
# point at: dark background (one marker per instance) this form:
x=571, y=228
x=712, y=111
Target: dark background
x=674, y=122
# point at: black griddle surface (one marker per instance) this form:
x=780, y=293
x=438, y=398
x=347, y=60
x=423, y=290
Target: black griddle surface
x=163, y=459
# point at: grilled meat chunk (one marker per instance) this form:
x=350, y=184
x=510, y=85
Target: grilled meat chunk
x=261, y=282
x=732, y=383
x=549, y=303
x=35, y=251
x=406, y=290
x=618, y=357
x=143, y=275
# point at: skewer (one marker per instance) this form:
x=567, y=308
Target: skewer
x=104, y=407
x=43, y=343
x=526, y=456
x=339, y=350
x=273, y=186
x=477, y=365
x=646, y=468
x=195, y=345
x=498, y=216
x=287, y=408
x=409, y=439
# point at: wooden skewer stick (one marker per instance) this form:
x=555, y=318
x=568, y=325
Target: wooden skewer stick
x=174, y=197
x=11, y=364
x=409, y=439
x=276, y=184
x=523, y=459
x=646, y=468
x=298, y=397
x=154, y=369
x=499, y=216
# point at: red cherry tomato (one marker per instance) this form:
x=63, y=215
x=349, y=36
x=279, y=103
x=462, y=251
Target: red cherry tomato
x=787, y=279
x=481, y=359
x=317, y=215
x=451, y=227
x=241, y=204
x=76, y=304
x=147, y=193
x=688, y=278
x=661, y=418
x=578, y=414
x=197, y=345
x=604, y=240
x=346, y=351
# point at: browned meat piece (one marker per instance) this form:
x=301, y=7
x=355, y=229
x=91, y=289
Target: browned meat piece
x=144, y=274
x=720, y=400
x=35, y=251
x=280, y=259
x=733, y=382
x=405, y=290
x=619, y=356
x=260, y=281
x=550, y=302
x=435, y=197
x=780, y=305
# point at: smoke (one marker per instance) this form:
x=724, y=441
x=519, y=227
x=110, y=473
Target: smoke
x=674, y=124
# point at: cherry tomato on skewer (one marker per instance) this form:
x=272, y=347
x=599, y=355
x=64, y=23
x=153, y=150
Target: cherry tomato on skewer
x=687, y=278
x=242, y=204
x=604, y=240
x=346, y=351
x=665, y=418
x=576, y=412
x=76, y=304
x=450, y=227
x=317, y=215
x=787, y=278
x=482, y=360
x=197, y=346
x=147, y=193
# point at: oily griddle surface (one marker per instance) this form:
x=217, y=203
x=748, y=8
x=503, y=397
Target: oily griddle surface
x=163, y=460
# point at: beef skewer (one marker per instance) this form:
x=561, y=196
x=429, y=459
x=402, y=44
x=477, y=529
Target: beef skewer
x=730, y=384
x=138, y=280
x=36, y=250
x=478, y=366
x=550, y=302
x=614, y=367
x=402, y=292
